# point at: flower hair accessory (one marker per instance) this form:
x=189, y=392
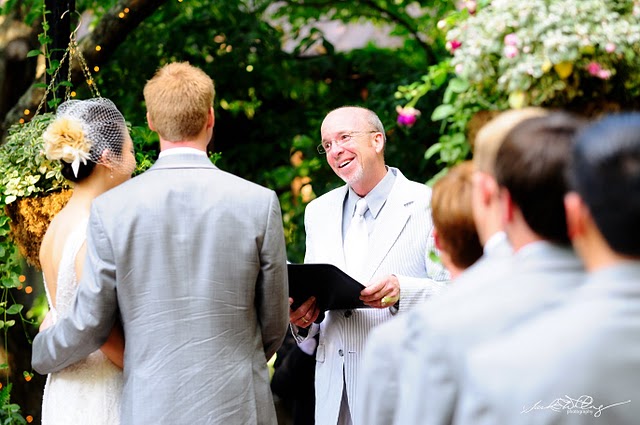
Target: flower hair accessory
x=65, y=140
x=87, y=130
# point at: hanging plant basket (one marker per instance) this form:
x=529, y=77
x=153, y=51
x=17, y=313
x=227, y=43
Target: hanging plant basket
x=32, y=188
x=30, y=218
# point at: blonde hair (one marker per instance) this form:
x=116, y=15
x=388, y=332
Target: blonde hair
x=492, y=134
x=178, y=99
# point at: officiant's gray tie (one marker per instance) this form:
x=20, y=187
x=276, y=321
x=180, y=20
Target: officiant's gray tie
x=356, y=243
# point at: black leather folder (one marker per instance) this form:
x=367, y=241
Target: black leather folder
x=333, y=288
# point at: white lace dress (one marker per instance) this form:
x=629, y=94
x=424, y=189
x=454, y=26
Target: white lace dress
x=89, y=391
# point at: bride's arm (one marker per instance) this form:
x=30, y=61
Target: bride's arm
x=113, y=348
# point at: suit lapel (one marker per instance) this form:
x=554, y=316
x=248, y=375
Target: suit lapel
x=389, y=225
x=334, y=229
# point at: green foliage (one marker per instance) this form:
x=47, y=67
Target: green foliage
x=30, y=10
x=9, y=412
x=580, y=55
x=550, y=52
x=27, y=172
x=269, y=104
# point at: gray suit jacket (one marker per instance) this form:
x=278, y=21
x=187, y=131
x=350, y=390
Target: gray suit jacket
x=384, y=356
x=193, y=259
x=577, y=365
x=507, y=293
x=399, y=244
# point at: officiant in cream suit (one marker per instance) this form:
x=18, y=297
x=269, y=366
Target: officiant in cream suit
x=390, y=255
x=193, y=260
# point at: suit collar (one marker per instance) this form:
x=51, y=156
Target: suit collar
x=375, y=199
x=389, y=224
x=547, y=255
x=622, y=279
x=182, y=160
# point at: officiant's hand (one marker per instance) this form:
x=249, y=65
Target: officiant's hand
x=304, y=315
x=381, y=293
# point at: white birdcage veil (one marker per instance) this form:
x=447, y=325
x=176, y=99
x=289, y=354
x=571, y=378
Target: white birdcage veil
x=83, y=130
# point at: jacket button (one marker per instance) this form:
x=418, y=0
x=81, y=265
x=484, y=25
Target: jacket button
x=348, y=313
x=340, y=352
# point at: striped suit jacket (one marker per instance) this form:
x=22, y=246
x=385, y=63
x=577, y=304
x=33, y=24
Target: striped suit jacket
x=399, y=244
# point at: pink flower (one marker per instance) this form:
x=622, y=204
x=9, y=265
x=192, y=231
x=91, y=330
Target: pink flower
x=407, y=116
x=610, y=47
x=604, y=74
x=453, y=45
x=594, y=68
x=510, y=51
x=471, y=6
x=511, y=40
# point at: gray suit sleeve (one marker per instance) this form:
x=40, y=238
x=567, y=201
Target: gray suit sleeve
x=272, y=289
x=87, y=326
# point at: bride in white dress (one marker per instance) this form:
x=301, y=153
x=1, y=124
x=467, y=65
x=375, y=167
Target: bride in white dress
x=91, y=140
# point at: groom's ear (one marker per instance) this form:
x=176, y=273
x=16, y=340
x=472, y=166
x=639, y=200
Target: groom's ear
x=211, y=118
x=150, y=123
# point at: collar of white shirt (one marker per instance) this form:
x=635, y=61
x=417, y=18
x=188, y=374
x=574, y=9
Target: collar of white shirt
x=181, y=150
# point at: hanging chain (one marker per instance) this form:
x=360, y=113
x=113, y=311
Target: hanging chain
x=85, y=69
x=72, y=51
x=52, y=83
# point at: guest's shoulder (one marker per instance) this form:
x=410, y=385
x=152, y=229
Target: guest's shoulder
x=480, y=283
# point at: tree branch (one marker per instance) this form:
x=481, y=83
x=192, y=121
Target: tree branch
x=111, y=31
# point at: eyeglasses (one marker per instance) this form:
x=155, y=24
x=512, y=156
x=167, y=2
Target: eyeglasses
x=342, y=139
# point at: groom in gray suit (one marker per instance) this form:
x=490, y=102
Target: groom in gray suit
x=193, y=260
x=579, y=364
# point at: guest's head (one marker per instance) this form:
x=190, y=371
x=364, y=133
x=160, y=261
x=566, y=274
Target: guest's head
x=454, y=228
x=89, y=133
x=531, y=169
x=486, y=205
x=179, y=101
x=492, y=134
x=605, y=177
x=353, y=140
